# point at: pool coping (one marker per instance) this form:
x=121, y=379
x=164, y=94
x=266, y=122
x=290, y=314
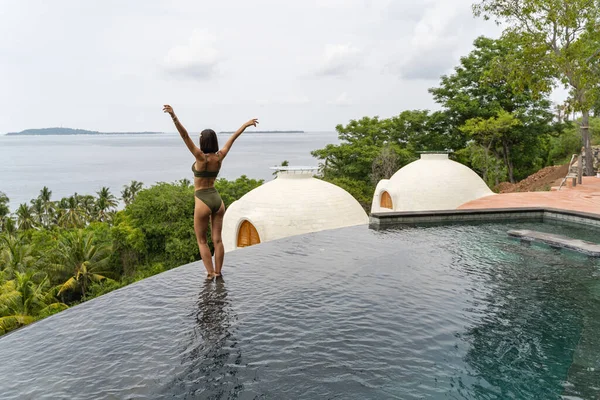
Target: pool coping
x=382, y=220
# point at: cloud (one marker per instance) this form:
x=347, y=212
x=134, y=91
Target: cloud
x=340, y=59
x=436, y=40
x=198, y=59
x=343, y=100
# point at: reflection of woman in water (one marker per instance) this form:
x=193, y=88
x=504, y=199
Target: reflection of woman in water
x=211, y=354
x=208, y=201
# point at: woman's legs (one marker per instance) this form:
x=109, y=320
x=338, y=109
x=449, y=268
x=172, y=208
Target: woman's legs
x=201, y=217
x=216, y=226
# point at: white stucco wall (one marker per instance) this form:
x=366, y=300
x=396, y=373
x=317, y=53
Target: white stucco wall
x=290, y=205
x=433, y=182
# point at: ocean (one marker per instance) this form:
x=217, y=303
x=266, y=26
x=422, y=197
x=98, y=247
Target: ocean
x=84, y=163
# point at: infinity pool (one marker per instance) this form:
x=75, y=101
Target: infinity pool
x=459, y=312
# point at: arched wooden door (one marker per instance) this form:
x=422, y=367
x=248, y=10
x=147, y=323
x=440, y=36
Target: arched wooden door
x=247, y=235
x=386, y=200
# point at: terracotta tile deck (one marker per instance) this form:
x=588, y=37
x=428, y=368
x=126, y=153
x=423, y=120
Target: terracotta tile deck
x=584, y=198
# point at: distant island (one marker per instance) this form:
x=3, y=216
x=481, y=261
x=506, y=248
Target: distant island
x=69, y=131
x=265, y=132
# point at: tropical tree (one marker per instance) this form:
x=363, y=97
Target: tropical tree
x=15, y=255
x=71, y=214
x=24, y=299
x=129, y=192
x=385, y=165
x=478, y=90
x=4, y=210
x=495, y=135
x=25, y=217
x=231, y=191
x=106, y=203
x=37, y=209
x=556, y=38
x=47, y=206
x=78, y=256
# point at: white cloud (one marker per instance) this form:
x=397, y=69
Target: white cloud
x=198, y=59
x=340, y=59
x=436, y=40
x=343, y=100
x=106, y=67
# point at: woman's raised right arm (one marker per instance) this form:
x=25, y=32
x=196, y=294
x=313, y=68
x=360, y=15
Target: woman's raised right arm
x=229, y=143
x=183, y=132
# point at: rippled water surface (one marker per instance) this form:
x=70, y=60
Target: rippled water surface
x=455, y=312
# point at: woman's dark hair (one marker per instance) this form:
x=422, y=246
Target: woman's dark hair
x=208, y=141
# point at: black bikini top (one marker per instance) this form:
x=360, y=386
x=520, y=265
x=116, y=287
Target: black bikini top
x=205, y=173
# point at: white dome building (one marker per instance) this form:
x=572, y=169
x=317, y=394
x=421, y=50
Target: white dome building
x=293, y=204
x=432, y=183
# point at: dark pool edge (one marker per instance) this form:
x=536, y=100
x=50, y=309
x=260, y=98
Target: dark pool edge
x=384, y=220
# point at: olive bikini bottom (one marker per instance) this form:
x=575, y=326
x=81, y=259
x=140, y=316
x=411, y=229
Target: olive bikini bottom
x=210, y=197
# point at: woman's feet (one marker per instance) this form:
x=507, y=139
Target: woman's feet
x=210, y=276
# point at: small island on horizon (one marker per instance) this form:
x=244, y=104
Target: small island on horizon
x=69, y=131
x=246, y=132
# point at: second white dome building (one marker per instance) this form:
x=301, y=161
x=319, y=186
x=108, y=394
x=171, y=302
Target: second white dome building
x=432, y=183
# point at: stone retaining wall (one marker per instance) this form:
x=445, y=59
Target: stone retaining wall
x=595, y=157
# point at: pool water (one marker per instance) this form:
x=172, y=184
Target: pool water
x=459, y=312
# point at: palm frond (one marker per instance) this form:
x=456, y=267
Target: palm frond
x=71, y=284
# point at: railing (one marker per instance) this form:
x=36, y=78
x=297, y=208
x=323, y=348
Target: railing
x=577, y=177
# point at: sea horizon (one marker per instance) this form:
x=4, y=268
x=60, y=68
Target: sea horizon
x=91, y=162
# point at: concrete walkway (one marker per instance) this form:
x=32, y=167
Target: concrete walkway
x=584, y=198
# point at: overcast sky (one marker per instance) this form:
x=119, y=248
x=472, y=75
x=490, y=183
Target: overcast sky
x=110, y=65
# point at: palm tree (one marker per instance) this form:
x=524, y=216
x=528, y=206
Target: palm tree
x=71, y=214
x=82, y=259
x=106, y=201
x=25, y=219
x=126, y=195
x=37, y=208
x=15, y=255
x=4, y=210
x=23, y=300
x=129, y=192
x=45, y=197
x=8, y=225
x=87, y=204
x=185, y=182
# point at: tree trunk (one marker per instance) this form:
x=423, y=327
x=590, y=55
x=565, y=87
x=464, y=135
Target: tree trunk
x=508, y=161
x=585, y=137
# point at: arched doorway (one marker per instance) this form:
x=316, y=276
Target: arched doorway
x=386, y=200
x=247, y=235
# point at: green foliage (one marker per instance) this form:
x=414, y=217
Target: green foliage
x=492, y=170
x=24, y=299
x=78, y=247
x=83, y=258
x=564, y=145
x=165, y=215
x=510, y=121
x=558, y=39
x=362, y=142
x=4, y=210
x=129, y=193
x=231, y=191
x=129, y=245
